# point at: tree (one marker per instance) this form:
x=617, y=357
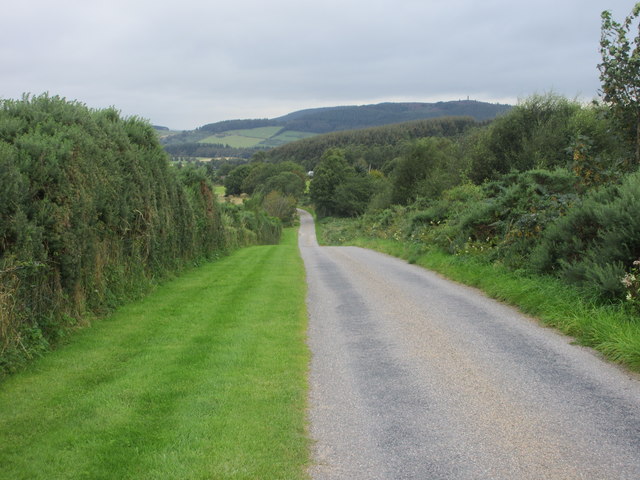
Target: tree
x=233, y=181
x=352, y=195
x=421, y=171
x=280, y=206
x=287, y=183
x=331, y=172
x=620, y=72
x=258, y=174
x=534, y=134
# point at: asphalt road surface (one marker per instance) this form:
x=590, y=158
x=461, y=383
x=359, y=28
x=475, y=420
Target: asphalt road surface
x=416, y=377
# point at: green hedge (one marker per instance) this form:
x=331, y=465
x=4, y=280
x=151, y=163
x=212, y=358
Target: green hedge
x=91, y=215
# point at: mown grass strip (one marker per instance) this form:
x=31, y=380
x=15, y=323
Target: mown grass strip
x=204, y=378
x=611, y=329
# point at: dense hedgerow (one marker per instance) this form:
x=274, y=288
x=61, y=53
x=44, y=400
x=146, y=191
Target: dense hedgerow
x=92, y=214
x=540, y=221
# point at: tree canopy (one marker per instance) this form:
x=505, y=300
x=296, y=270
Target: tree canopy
x=620, y=71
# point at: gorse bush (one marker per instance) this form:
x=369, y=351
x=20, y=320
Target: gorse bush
x=597, y=241
x=505, y=216
x=91, y=214
x=541, y=221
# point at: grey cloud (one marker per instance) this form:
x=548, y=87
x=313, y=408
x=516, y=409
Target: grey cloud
x=183, y=64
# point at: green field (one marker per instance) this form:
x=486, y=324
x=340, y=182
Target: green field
x=262, y=136
x=243, y=138
x=205, y=378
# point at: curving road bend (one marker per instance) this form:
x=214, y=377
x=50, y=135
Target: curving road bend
x=416, y=377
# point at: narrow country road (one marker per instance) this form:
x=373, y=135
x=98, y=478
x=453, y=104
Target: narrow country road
x=416, y=377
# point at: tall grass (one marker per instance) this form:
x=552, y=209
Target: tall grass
x=204, y=378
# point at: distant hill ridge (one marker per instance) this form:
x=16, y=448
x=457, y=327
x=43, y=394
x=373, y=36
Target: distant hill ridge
x=244, y=137
x=334, y=119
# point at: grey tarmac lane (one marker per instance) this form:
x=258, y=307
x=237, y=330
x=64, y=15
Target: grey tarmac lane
x=416, y=377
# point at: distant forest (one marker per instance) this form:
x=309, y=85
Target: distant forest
x=372, y=146
x=325, y=120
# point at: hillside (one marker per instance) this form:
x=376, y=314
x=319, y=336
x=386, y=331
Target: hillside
x=243, y=137
x=334, y=119
x=373, y=145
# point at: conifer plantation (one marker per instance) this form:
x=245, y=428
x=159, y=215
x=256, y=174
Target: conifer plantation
x=93, y=215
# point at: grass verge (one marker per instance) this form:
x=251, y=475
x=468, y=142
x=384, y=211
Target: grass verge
x=204, y=378
x=612, y=330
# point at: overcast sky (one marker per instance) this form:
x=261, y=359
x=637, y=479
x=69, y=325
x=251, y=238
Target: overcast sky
x=186, y=63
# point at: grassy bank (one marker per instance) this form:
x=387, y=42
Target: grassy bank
x=612, y=329
x=204, y=378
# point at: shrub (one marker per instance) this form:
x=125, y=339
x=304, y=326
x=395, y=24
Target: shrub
x=534, y=134
x=596, y=240
x=505, y=216
x=280, y=206
x=424, y=170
